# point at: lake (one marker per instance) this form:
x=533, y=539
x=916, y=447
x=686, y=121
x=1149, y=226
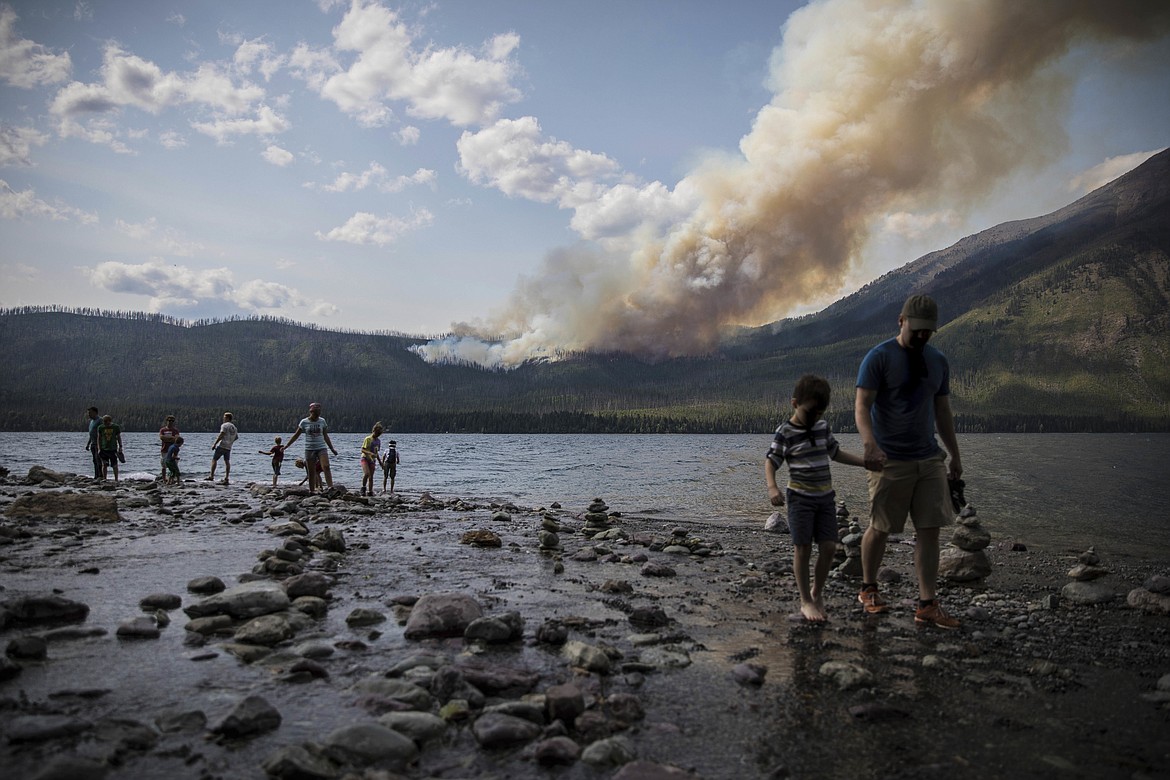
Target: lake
x=1049, y=491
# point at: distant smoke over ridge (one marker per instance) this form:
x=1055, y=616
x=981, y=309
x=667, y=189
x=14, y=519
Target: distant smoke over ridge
x=879, y=107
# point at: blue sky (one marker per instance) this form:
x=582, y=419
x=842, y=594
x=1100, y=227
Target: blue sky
x=628, y=175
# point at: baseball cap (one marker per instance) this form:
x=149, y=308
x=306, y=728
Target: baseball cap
x=921, y=312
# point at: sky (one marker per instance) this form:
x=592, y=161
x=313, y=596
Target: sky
x=520, y=180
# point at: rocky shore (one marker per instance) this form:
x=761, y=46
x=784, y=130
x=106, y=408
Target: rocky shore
x=205, y=631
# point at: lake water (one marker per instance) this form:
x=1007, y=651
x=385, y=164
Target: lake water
x=1049, y=491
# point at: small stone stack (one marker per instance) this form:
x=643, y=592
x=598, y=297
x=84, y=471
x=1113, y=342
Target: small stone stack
x=549, y=532
x=1085, y=586
x=965, y=558
x=850, y=533
x=596, y=518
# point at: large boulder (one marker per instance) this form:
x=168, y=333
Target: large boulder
x=441, y=615
x=959, y=565
x=95, y=507
x=252, y=599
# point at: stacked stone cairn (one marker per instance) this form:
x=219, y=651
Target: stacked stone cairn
x=850, y=533
x=549, y=534
x=598, y=524
x=965, y=558
x=1085, y=586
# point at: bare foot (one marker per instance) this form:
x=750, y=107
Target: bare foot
x=812, y=612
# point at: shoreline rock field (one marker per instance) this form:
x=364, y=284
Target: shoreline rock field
x=250, y=631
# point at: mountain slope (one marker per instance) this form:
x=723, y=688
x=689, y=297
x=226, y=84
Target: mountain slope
x=1060, y=322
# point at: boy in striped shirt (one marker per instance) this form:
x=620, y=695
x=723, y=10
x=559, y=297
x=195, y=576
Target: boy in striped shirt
x=805, y=442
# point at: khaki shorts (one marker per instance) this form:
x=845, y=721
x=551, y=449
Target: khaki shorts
x=914, y=487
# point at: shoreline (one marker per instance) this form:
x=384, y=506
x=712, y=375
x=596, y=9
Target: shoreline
x=690, y=659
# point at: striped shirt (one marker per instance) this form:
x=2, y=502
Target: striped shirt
x=807, y=452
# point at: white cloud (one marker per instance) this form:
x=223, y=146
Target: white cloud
x=24, y=63
x=324, y=309
x=409, y=135
x=377, y=175
x=258, y=55
x=455, y=84
x=172, y=140
x=1100, y=175
x=25, y=204
x=277, y=156
x=164, y=240
x=177, y=19
x=267, y=122
x=83, y=12
x=177, y=286
x=366, y=228
x=16, y=144
x=128, y=80
x=515, y=158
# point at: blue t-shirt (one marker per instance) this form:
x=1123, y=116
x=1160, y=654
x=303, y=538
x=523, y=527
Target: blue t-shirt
x=903, y=412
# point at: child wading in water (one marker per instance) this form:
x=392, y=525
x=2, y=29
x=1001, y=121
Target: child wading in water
x=371, y=459
x=277, y=453
x=805, y=442
x=171, y=462
x=390, y=465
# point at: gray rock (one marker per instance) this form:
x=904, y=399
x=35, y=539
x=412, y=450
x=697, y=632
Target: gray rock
x=586, y=656
x=1085, y=593
x=41, y=728
x=564, y=702
x=92, y=507
x=161, y=601
x=144, y=627
x=215, y=624
x=310, y=583
x=252, y=716
x=448, y=684
x=1149, y=602
x=422, y=727
x=846, y=676
x=1158, y=583
x=971, y=538
x=267, y=630
x=625, y=707
x=364, y=617
x=294, y=762
x=177, y=720
x=32, y=648
x=330, y=540
x=399, y=690
x=370, y=743
x=1083, y=572
x=959, y=565
x=206, y=585
x=41, y=609
x=556, y=751
x=496, y=730
x=612, y=751
x=252, y=599
x=749, y=674
x=441, y=615
x=311, y=606
x=529, y=710
x=652, y=569
x=488, y=629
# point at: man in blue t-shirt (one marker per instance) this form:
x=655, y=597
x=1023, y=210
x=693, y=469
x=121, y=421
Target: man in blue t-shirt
x=903, y=397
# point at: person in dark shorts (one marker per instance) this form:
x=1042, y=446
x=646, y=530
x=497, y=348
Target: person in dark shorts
x=806, y=444
x=277, y=453
x=171, y=461
x=109, y=443
x=390, y=465
x=222, y=448
x=91, y=441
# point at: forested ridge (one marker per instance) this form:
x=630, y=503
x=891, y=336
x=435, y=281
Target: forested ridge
x=1058, y=323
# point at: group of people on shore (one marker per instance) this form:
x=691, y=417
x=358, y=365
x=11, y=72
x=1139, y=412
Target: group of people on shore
x=902, y=399
x=105, y=444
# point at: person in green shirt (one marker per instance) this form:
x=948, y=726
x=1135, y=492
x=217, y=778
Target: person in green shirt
x=109, y=443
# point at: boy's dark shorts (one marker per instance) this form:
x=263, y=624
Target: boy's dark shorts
x=109, y=456
x=812, y=519
x=220, y=452
x=276, y=467
x=390, y=469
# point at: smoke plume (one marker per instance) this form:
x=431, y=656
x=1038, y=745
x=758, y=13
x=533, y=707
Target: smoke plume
x=879, y=107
